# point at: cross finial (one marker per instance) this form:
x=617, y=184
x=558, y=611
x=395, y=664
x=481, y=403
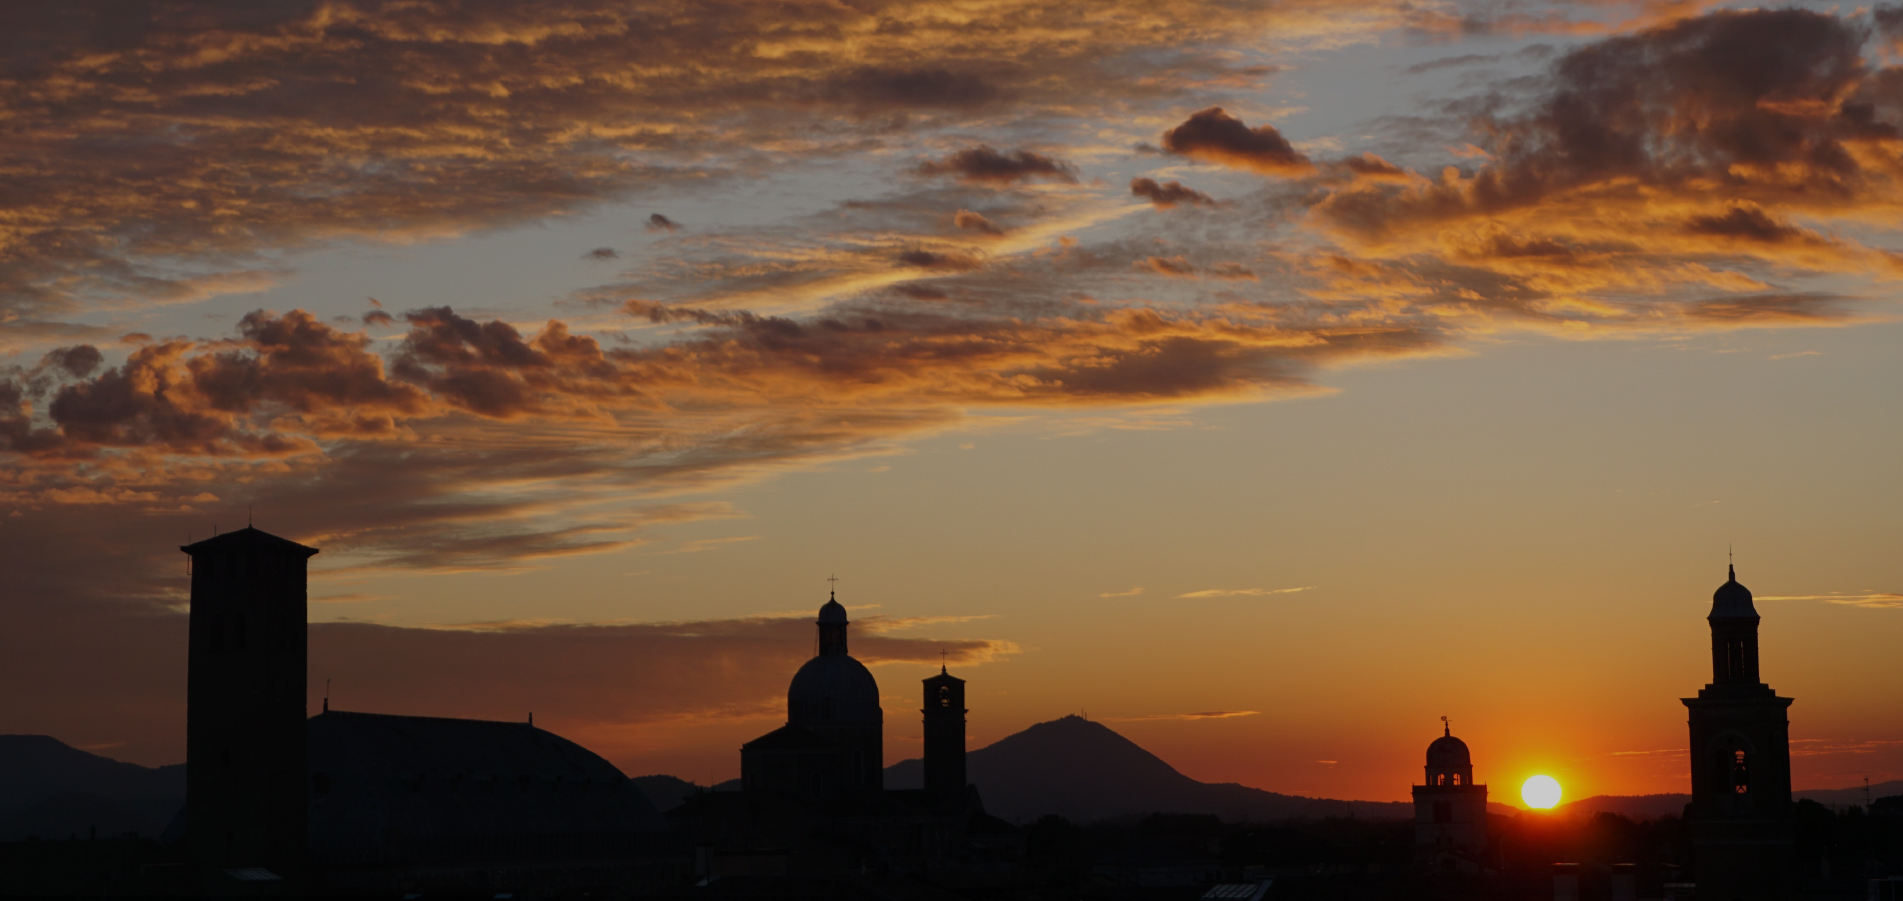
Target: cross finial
x=941, y=662
x=832, y=583
x=1446, y=728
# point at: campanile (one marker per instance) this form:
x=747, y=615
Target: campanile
x=1741, y=813
x=245, y=801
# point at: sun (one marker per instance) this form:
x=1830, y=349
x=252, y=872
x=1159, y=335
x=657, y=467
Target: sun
x=1541, y=792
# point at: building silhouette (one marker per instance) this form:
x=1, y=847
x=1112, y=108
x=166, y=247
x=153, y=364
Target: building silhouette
x=944, y=713
x=244, y=703
x=834, y=737
x=367, y=801
x=812, y=797
x=1741, y=815
x=1450, y=811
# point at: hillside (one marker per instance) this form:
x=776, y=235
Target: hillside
x=1649, y=807
x=53, y=790
x=1084, y=770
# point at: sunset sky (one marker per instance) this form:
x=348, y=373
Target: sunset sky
x=1265, y=380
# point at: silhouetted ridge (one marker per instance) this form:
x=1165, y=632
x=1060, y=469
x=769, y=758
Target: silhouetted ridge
x=51, y=789
x=1084, y=770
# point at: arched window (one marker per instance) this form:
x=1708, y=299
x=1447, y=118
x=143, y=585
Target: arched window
x=1731, y=768
x=1456, y=779
x=944, y=696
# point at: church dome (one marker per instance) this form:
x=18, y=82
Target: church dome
x=1448, y=752
x=1732, y=600
x=833, y=612
x=833, y=689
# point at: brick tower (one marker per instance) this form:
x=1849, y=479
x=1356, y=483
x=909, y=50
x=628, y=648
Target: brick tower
x=245, y=801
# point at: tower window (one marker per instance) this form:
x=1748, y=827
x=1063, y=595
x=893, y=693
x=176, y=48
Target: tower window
x=1740, y=777
x=1456, y=778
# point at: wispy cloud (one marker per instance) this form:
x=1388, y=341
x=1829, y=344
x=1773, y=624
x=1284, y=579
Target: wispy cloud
x=1244, y=592
x=880, y=625
x=1133, y=592
x=1204, y=715
x=710, y=544
x=1878, y=599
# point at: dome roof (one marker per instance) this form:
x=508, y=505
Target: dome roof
x=1448, y=752
x=1732, y=600
x=833, y=612
x=833, y=689
x=389, y=787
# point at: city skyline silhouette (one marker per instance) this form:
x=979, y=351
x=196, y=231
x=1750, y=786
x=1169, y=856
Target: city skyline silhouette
x=1268, y=381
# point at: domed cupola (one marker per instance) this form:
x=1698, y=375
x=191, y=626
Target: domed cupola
x=833, y=689
x=1734, y=634
x=1448, y=760
x=1732, y=600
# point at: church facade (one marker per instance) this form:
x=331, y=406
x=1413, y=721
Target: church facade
x=1741, y=815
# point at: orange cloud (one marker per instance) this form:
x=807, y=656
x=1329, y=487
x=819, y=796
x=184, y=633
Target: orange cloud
x=1215, y=136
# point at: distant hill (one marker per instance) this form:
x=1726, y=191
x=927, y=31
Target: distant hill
x=1841, y=796
x=1651, y=807
x=53, y=790
x=1632, y=807
x=1084, y=771
x=666, y=792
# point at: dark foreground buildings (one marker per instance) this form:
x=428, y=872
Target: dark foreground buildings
x=1741, y=814
x=348, y=801
x=364, y=801
x=813, y=799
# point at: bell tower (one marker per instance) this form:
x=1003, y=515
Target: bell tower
x=944, y=713
x=245, y=800
x=1450, y=811
x=1741, y=815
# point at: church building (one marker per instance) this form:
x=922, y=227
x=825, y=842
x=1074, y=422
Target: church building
x=812, y=797
x=368, y=801
x=1450, y=811
x=1741, y=814
x=834, y=738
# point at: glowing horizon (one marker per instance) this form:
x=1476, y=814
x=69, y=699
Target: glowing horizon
x=1267, y=382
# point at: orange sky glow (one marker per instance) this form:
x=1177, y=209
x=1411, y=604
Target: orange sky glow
x=1264, y=381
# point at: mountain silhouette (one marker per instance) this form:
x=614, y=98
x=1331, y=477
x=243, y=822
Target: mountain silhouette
x=53, y=790
x=1083, y=771
x=1651, y=807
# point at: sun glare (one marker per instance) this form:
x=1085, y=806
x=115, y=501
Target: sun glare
x=1541, y=792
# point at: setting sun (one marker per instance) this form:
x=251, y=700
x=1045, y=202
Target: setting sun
x=1541, y=792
